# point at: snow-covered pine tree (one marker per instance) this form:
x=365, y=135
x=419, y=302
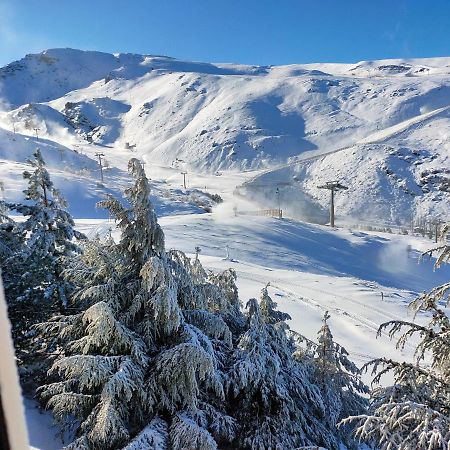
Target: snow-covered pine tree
x=222, y=294
x=271, y=394
x=40, y=290
x=339, y=382
x=268, y=308
x=141, y=363
x=11, y=243
x=414, y=412
x=11, y=239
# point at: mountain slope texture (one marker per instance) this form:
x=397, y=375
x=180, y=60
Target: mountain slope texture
x=381, y=127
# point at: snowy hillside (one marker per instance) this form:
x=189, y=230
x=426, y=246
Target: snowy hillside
x=401, y=172
x=311, y=269
x=207, y=117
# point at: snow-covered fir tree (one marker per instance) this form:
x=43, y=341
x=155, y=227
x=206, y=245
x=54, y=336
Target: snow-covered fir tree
x=11, y=238
x=159, y=355
x=271, y=394
x=339, y=382
x=142, y=363
x=40, y=290
x=12, y=241
x=269, y=308
x=414, y=412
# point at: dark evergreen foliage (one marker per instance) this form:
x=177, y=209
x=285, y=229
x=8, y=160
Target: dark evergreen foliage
x=32, y=263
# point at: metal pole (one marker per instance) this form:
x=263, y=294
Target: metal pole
x=437, y=224
x=332, y=208
x=184, y=179
x=279, y=205
x=13, y=431
x=99, y=155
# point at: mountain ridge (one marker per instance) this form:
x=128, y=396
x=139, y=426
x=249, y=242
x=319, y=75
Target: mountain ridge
x=212, y=117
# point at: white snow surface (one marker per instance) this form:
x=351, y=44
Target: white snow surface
x=43, y=434
x=311, y=269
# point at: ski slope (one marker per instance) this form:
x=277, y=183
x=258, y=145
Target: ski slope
x=312, y=269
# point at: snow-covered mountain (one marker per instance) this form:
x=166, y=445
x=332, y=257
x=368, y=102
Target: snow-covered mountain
x=384, y=125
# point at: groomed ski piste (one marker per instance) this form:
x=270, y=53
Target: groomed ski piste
x=161, y=106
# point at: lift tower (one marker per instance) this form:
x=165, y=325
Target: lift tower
x=100, y=156
x=332, y=186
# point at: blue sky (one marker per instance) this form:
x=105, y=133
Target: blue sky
x=243, y=31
